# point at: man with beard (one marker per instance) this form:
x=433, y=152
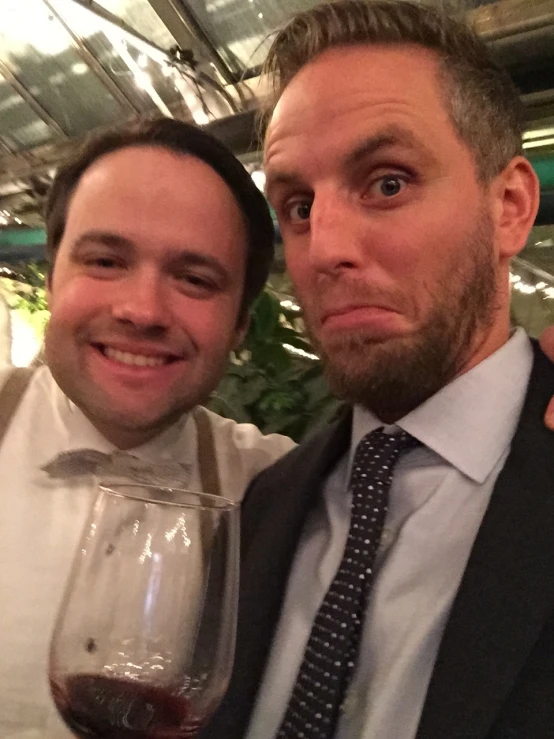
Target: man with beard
x=397, y=567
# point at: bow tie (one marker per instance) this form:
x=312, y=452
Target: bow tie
x=118, y=464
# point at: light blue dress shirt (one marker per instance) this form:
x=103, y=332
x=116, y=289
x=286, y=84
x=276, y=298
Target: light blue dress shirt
x=438, y=497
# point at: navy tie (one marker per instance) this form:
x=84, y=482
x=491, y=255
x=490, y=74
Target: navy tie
x=332, y=648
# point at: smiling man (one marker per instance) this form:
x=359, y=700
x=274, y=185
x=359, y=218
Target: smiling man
x=397, y=567
x=159, y=242
x=146, y=300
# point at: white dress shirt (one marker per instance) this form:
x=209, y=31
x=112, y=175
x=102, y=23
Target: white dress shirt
x=438, y=497
x=41, y=520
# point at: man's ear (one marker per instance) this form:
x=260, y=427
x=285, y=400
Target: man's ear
x=516, y=201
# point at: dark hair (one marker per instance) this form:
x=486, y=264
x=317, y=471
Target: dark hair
x=181, y=138
x=480, y=97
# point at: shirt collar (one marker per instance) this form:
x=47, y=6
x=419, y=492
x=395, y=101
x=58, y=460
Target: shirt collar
x=471, y=421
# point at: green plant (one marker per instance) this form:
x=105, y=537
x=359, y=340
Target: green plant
x=31, y=291
x=24, y=288
x=270, y=385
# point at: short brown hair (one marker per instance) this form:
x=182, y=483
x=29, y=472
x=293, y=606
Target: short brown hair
x=181, y=138
x=480, y=97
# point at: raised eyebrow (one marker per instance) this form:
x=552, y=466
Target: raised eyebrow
x=390, y=137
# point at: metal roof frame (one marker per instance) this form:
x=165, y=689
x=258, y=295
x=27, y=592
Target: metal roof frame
x=92, y=62
x=182, y=24
x=8, y=74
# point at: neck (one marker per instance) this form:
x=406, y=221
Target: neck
x=125, y=438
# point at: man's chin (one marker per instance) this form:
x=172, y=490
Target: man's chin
x=390, y=378
x=128, y=427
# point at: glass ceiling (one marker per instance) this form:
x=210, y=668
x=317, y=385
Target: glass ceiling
x=70, y=66
x=141, y=16
x=241, y=29
x=65, y=71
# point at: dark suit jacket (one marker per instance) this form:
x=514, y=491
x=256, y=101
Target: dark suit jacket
x=494, y=674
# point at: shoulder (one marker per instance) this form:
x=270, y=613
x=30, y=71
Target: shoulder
x=25, y=377
x=26, y=399
x=243, y=452
x=28, y=391
x=246, y=436
x=301, y=453
x=320, y=450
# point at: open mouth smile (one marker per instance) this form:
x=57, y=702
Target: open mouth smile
x=133, y=359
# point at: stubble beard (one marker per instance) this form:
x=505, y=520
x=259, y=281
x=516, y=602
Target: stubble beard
x=391, y=377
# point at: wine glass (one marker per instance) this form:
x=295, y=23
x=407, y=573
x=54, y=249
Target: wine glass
x=144, y=641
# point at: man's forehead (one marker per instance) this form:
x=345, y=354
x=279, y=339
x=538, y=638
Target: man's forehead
x=324, y=113
x=342, y=80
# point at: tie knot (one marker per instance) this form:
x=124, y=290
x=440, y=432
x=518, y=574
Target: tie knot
x=380, y=445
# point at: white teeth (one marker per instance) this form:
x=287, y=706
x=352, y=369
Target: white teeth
x=138, y=360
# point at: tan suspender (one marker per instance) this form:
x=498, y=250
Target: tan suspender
x=18, y=381
x=11, y=394
x=207, y=460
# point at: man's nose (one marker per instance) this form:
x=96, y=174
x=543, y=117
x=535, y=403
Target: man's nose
x=334, y=238
x=142, y=301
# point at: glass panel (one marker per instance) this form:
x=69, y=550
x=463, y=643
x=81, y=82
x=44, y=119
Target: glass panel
x=146, y=71
x=240, y=27
x=134, y=72
x=20, y=126
x=40, y=53
x=140, y=15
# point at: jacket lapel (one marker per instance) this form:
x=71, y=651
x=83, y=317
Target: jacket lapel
x=507, y=590
x=273, y=515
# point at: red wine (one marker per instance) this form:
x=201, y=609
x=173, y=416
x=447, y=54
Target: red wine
x=104, y=707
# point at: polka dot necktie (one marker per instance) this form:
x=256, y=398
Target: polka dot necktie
x=332, y=648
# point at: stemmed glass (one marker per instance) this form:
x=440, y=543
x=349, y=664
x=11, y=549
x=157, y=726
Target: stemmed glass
x=144, y=641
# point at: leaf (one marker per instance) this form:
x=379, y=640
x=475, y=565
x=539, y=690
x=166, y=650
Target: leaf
x=317, y=390
x=253, y=389
x=224, y=407
x=285, y=333
x=265, y=316
x=272, y=357
x=278, y=391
